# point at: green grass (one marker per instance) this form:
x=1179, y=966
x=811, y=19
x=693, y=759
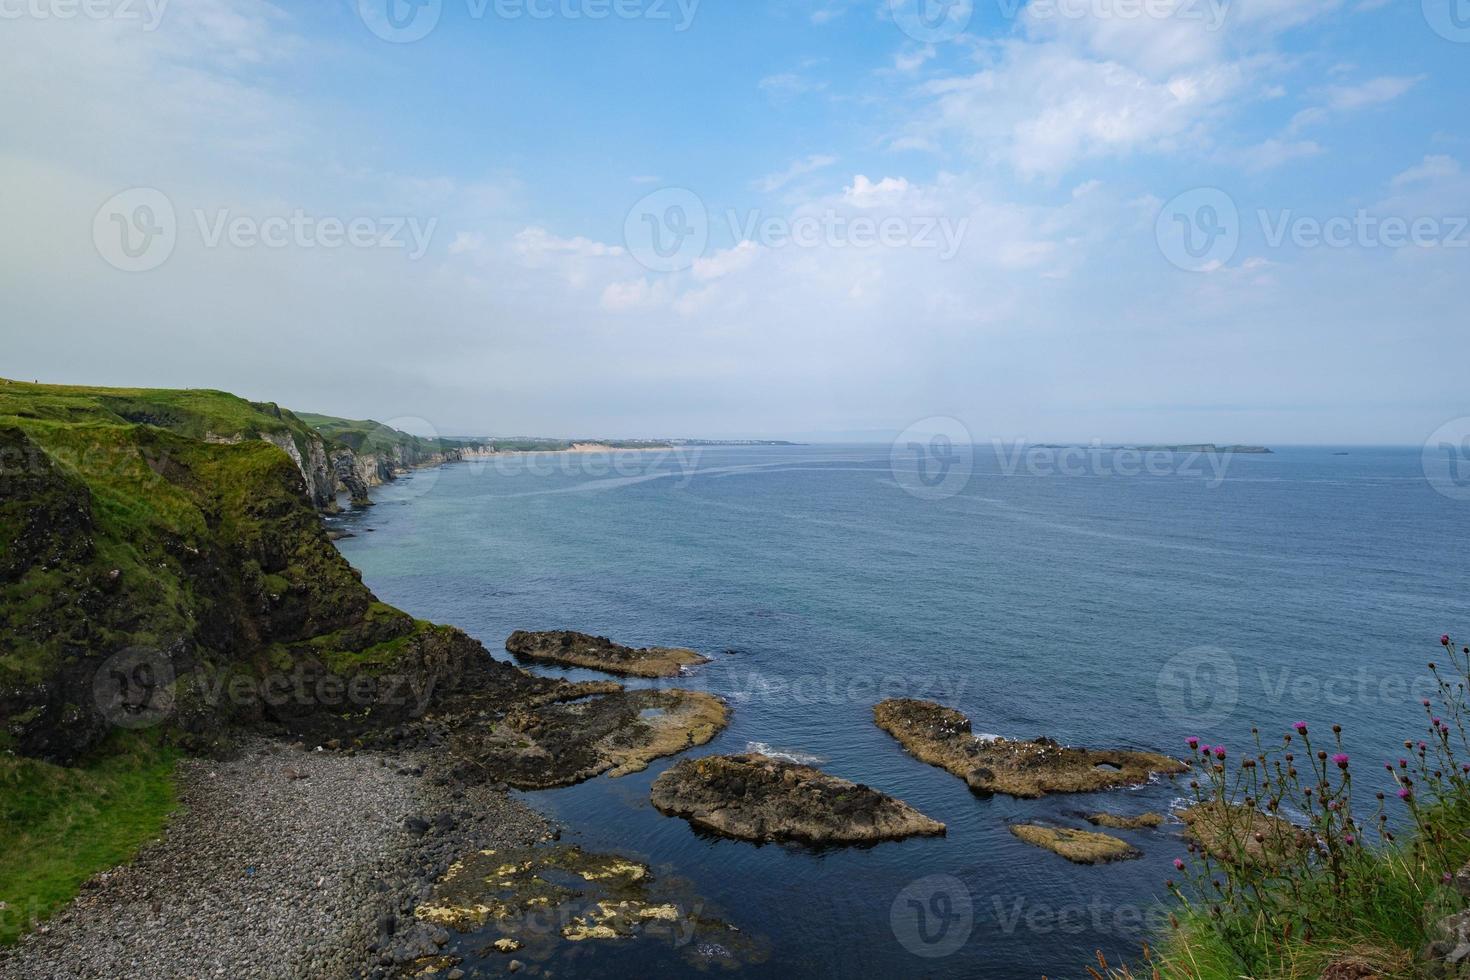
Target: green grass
x=62, y=825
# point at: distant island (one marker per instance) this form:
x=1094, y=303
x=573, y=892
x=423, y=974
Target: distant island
x=1203, y=447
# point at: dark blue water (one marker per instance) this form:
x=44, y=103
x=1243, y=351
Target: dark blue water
x=1098, y=609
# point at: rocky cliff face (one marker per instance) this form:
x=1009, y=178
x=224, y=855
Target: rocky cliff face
x=173, y=573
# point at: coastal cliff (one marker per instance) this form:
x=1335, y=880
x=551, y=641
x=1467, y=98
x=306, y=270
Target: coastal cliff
x=161, y=558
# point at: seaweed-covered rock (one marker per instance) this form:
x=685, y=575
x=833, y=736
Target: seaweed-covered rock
x=941, y=737
x=1144, y=821
x=1237, y=834
x=559, y=740
x=755, y=797
x=569, y=649
x=1077, y=846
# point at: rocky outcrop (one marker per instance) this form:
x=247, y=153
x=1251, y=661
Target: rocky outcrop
x=1077, y=846
x=536, y=900
x=757, y=798
x=568, y=649
x=941, y=737
x=550, y=741
x=1241, y=835
x=1144, y=821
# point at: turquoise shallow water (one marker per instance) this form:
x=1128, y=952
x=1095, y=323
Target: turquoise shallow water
x=1095, y=608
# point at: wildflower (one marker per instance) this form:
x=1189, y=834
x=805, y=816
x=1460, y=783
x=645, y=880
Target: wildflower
x=1349, y=839
x=1178, y=864
x=1192, y=742
x=1341, y=760
x=1301, y=727
x=1404, y=792
x=1436, y=722
x=1220, y=752
x=1403, y=763
x=1444, y=641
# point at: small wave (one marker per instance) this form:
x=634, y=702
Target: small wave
x=986, y=737
x=800, y=758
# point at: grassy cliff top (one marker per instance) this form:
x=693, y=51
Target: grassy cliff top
x=198, y=413
x=368, y=436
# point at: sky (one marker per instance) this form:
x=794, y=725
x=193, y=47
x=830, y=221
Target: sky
x=1115, y=220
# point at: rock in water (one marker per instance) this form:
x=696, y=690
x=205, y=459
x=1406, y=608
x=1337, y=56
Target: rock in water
x=757, y=798
x=941, y=737
x=1240, y=835
x=1144, y=821
x=1077, y=846
x=570, y=649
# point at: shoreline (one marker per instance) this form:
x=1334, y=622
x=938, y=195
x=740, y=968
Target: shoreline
x=282, y=862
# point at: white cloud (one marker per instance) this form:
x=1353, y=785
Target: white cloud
x=800, y=168
x=865, y=193
x=1273, y=153
x=1437, y=167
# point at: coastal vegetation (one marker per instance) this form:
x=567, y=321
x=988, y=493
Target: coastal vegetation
x=1301, y=867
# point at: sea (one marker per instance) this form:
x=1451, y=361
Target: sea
x=1099, y=597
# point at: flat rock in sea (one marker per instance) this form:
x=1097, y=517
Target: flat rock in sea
x=1240, y=835
x=561, y=742
x=757, y=798
x=1077, y=846
x=1144, y=821
x=570, y=649
x=941, y=737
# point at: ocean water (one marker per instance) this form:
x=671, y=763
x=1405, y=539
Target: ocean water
x=1096, y=608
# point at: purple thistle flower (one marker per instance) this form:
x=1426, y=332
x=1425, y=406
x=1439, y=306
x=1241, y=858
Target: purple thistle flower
x=1301, y=727
x=1192, y=742
x=1178, y=864
x=1341, y=759
x=1404, y=792
x=1403, y=763
x=1220, y=752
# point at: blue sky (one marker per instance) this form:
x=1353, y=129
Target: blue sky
x=1033, y=168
